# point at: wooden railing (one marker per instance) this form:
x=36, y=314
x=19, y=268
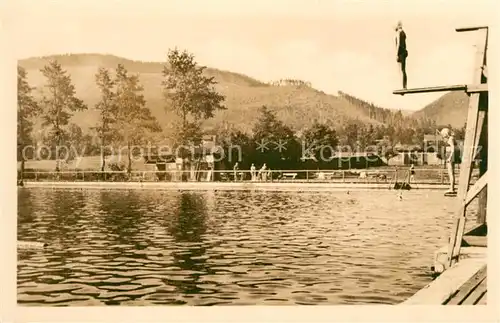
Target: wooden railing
x=424, y=176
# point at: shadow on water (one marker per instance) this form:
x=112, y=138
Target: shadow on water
x=189, y=223
x=122, y=217
x=187, y=228
x=24, y=206
x=65, y=210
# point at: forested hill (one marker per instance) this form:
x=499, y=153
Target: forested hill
x=295, y=103
x=450, y=109
x=371, y=110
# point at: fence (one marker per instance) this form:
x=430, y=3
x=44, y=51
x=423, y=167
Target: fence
x=423, y=176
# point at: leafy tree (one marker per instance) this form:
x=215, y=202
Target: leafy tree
x=350, y=134
x=107, y=109
x=365, y=138
x=189, y=93
x=460, y=132
x=59, y=103
x=27, y=109
x=82, y=144
x=275, y=142
x=321, y=141
x=133, y=121
x=398, y=118
x=238, y=147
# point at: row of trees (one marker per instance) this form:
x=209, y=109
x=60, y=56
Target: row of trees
x=124, y=119
x=276, y=144
x=291, y=82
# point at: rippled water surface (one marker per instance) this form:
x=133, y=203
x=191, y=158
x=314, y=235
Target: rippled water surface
x=151, y=247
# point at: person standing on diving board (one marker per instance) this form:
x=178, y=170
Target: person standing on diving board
x=401, y=51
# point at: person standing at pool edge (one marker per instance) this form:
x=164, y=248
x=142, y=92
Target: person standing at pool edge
x=412, y=173
x=401, y=51
x=235, y=171
x=253, y=172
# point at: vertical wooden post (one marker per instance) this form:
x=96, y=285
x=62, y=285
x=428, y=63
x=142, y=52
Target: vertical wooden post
x=483, y=167
x=468, y=153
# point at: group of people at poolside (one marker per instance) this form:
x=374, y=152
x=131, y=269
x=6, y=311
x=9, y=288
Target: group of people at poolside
x=261, y=175
x=452, y=157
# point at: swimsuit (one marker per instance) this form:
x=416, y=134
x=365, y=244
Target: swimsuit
x=402, y=51
x=456, y=154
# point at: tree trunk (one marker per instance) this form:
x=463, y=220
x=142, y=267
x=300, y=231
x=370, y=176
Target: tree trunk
x=21, y=175
x=103, y=161
x=103, y=156
x=129, y=167
x=58, y=133
x=58, y=143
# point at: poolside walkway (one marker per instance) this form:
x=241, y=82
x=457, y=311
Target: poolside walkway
x=473, y=291
x=279, y=186
x=462, y=284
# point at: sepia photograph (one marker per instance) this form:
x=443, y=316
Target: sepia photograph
x=250, y=153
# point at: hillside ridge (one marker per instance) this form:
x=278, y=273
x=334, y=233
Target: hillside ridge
x=298, y=106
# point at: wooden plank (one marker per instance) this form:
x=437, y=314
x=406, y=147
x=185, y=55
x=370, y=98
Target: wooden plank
x=468, y=88
x=475, y=241
x=443, y=287
x=476, y=294
x=478, y=186
x=479, y=229
x=484, y=299
x=467, y=288
x=445, y=88
x=483, y=165
x=472, y=28
x=466, y=165
x=479, y=130
x=477, y=88
x=483, y=206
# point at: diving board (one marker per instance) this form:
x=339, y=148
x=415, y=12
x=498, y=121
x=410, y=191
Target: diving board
x=471, y=88
x=473, y=28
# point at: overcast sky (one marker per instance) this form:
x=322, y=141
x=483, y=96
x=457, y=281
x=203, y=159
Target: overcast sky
x=336, y=45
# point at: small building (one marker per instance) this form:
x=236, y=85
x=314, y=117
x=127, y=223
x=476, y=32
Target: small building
x=431, y=143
